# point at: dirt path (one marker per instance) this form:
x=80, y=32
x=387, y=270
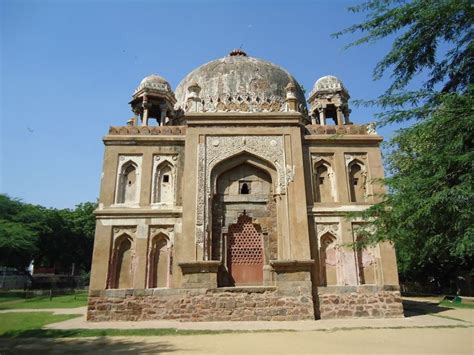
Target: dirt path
x=426, y=329
x=372, y=341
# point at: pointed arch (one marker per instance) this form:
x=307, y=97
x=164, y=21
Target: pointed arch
x=323, y=182
x=164, y=183
x=243, y=183
x=128, y=183
x=357, y=178
x=328, y=257
x=121, y=268
x=240, y=158
x=159, y=261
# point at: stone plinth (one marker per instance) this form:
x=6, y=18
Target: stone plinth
x=359, y=301
x=200, y=274
x=292, y=275
x=218, y=304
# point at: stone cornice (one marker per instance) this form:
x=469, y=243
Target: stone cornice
x=336, y=209
x=291, y=265
x=241, y=118
x=342, y=140
x=115, y=212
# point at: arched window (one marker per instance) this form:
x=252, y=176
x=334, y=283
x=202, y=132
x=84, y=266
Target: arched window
x=122, y=274
x=323, y=183
x=164, y=184
x=244, y=188
x=328, y=260
x=159, y=262
x=128, y=191
x=357, y=181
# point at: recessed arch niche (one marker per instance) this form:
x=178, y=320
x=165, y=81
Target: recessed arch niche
x=128, y=181
x=324, y=184
x=159, y=261
x=164, y=181
x=328, y=255
x=121, y=268
x=243, y=205
x=357, y=178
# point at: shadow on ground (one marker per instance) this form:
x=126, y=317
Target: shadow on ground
x=100, y=345
x=413, y=308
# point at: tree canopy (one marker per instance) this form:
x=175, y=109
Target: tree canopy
x=46, y=235
x=428, y=209
x=421, y=27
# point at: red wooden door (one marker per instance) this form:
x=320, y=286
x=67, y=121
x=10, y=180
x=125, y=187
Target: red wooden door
x=245, y=252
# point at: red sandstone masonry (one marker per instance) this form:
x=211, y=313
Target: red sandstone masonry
x=359, y=304
x=200, y=305
x=259, y=304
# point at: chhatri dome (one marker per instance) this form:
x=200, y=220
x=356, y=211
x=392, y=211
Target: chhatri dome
x=239, y=83
x=328, y=83
x=154, y=82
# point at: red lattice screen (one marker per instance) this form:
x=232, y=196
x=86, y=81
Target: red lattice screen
x=245, y=252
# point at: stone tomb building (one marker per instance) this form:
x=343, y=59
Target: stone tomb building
x=228, y=199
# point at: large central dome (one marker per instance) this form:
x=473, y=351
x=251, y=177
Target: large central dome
x=238, y=83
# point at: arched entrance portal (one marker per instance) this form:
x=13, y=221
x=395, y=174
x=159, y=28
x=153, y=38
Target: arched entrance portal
x=244, y=220
x=245, y=252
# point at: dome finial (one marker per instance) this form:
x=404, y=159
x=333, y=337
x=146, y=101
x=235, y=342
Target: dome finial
x=237, y=52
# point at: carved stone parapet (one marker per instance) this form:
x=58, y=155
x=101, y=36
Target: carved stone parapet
x=315, y=129
x=148, y=130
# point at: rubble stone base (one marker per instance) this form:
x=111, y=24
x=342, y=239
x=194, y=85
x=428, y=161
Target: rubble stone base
x=359, y=302
x=231, y=304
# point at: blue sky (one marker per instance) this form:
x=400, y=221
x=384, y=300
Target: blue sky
x=69, y=68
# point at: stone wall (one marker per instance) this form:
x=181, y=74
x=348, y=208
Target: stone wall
x=221, y=304
x=359, y=302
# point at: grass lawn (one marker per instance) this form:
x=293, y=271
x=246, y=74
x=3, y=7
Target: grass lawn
x=463, y=304
x=66, y=301
x=8, y=297
x=16, y=323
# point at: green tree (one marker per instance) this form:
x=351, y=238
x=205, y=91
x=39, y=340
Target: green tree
x=81, y=224
x=69, y=237
x=17, y=238
x=428, y=211
x=48, y=236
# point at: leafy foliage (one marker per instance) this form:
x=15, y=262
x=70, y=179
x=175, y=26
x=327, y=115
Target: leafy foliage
x=49, y=236
x=428, y=210
x=421, y=26
x=18, y=235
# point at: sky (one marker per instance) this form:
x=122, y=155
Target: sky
x=69, y=68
